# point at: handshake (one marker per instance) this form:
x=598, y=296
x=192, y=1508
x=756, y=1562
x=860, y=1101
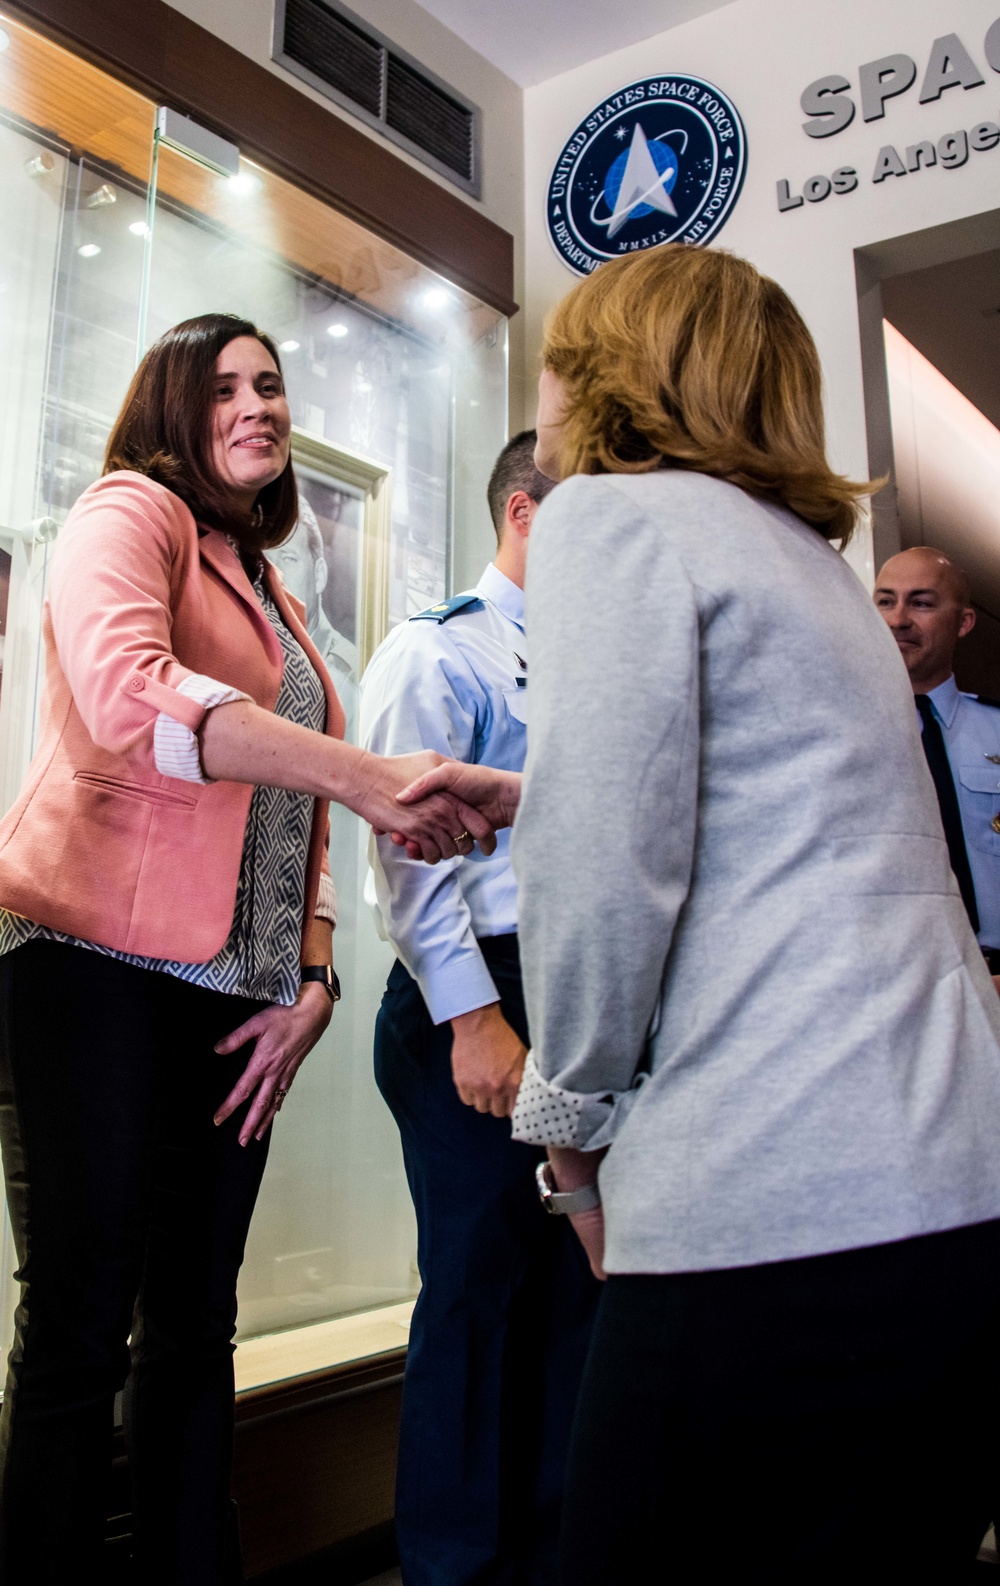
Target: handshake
x=436, y=808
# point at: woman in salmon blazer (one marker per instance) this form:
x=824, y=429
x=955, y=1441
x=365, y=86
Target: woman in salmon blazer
x=166, y=920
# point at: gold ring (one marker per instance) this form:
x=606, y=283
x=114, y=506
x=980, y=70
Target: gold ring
x=461, y=838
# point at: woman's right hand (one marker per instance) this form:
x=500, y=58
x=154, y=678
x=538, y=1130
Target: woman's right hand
x=241, y=742
x=438, y=827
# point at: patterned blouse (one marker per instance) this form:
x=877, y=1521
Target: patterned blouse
x=261, y=957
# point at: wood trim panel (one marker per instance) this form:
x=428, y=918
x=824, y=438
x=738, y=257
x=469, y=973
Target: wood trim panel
x=161, y=52
x=315, y=1461
x=315, y=1464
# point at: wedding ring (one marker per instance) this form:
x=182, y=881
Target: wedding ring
x=461, y=838
x=279, y=1097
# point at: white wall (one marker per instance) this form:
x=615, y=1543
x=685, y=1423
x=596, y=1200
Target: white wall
x=246, y=25
x=947, y=466
x=763, y=53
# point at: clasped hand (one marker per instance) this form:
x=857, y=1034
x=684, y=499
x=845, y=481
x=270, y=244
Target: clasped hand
x=474, y=793
x=436, y=825
x=487, y=1060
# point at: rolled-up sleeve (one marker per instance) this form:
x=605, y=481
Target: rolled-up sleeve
x=110, y=609
x=604, y=841
x=175, y=747
x=326, y=899
x=546, y=1114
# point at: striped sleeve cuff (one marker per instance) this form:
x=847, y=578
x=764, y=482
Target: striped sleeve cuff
x=175, y=747
x=326, y=899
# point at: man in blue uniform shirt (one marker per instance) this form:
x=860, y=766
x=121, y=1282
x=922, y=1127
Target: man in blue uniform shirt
x=502, y=1323
x=924, y=597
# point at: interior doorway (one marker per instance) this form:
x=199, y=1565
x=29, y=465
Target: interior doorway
x=929, y=306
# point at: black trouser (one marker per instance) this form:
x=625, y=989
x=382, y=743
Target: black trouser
x=824, y=1420
x=503, y=1320
x=130, y=1212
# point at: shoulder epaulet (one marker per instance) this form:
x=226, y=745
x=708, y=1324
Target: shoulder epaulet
x=447, y=608
x=984, y=699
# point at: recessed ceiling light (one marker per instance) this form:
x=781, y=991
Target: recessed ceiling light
x=138, y=228
x=337, y=330
x=90, y=250
x=243, y=184
x=288, y=346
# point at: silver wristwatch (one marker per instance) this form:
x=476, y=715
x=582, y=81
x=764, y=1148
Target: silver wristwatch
x=564, y=1203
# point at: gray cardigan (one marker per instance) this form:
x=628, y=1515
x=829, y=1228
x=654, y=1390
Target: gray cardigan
x=747, y=965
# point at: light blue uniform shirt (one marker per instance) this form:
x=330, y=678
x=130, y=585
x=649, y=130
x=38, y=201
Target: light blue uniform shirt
x=459, y=686
x=971, y=733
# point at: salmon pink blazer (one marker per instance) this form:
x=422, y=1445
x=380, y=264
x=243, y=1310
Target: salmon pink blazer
x=99, y=844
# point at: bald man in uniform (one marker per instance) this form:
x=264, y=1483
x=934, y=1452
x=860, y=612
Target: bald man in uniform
x=924, y=597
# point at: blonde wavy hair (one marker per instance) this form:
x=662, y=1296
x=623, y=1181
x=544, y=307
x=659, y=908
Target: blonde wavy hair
x=690, y=358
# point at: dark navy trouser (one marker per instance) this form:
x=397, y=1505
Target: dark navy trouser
x=502, y=1324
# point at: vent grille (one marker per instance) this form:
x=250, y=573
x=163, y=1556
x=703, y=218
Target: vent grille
x=340, y=55
x=425, y=115
x=336, y=51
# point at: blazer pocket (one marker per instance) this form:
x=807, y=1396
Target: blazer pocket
x=135, y=790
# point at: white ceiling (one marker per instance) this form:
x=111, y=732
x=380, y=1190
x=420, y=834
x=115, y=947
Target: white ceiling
x=532, y=40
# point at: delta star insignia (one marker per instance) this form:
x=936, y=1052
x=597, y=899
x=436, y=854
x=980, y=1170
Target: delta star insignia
x=663, y=160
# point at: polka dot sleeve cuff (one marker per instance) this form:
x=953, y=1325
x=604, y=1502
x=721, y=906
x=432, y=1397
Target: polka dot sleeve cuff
x=548, y=1115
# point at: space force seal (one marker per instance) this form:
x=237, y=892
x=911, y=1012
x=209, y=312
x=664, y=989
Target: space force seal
x=662, y=160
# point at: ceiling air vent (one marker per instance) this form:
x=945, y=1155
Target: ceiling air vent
x=342, y=55
x=345, y=58
x=418, y=110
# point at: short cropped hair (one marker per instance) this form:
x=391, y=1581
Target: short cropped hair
x=683, y=357
x=515, y=470
x=164, y=431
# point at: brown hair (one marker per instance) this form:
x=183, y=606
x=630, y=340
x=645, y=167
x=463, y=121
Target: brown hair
x=690, y=358
x=164, y=425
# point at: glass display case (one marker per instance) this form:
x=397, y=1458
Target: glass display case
x=397, y=382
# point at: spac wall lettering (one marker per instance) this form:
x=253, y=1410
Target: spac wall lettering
x=831, y=104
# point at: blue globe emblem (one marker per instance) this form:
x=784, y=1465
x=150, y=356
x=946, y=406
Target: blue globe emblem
x=663, y=160
x=666, y=164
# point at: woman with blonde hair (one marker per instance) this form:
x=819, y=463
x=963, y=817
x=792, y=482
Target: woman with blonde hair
x=756, y=1002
